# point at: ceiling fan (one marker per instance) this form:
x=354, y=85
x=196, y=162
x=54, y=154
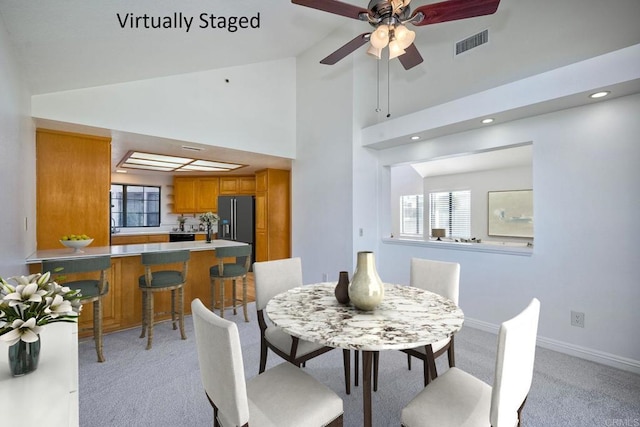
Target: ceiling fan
x=389, y=17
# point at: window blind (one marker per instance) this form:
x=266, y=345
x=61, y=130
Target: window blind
x=412, y=212
x=451, y=211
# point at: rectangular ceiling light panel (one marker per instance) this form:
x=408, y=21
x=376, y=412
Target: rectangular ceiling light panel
x=160, y=162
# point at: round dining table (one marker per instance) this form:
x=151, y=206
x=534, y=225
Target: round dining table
x=407, y=317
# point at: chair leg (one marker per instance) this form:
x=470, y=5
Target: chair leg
x=149, y=319
x=97, y=328
x=221, y=282
x=430, y=370
x=173, y=309
x=356, y=368
x=451, y=354
x=263, y=355
x=181, y=312
x=346, y=361
x=520, y=411
x=233, y=295
x=338, y=422
x=144, y=314
x=212, y=283
x=244, y=298
x=409, y=361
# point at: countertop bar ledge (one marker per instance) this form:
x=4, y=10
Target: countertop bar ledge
x=128, y=250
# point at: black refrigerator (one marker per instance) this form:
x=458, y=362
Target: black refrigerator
x=237, y=215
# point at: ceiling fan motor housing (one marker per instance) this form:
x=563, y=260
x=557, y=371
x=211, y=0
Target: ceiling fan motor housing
x=382, y=11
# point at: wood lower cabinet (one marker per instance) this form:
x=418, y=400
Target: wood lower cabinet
x=122, y=306
x=142, y=238
x=73, y=179
x=273, y=214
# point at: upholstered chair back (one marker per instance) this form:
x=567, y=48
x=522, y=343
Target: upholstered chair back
x=274, y=277
x=442, y=278
x=514, y=365
x=221, y=366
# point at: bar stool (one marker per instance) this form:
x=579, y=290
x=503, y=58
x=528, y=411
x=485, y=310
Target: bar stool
x=160, y=281
x=92, y=290
x=231, y=271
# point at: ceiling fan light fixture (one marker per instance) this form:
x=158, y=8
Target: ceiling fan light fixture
x=404, y=36
x=380, y=37
x=374, y=51
x=395, y=49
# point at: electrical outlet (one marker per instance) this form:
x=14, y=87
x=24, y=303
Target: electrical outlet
x=577, y=319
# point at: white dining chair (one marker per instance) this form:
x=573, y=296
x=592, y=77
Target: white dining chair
x=458, y=399
x=270, y=279
x=442, y=278
x=283, y=396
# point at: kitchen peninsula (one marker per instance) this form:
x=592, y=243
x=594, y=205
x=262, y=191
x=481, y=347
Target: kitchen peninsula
x=122, y=307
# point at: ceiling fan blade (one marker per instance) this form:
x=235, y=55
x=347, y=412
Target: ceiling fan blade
x=346, y=49
x=453, y=10
x=334, y=6
x=411, y=57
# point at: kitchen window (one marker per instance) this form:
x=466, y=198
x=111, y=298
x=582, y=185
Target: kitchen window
x=451, y=210
x=135, y=205
x=412, y=211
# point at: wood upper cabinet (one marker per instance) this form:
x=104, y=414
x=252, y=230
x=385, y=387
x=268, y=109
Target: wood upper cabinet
x=237, y=185
x=195, y=194
x=207, y=190
x=273, y=215
x=73, y=180
x=184, y=195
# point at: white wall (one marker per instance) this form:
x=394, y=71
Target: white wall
x=17, y=165
x=321, y=172
x=585, y=176
x=254, y=112
x=480, y=183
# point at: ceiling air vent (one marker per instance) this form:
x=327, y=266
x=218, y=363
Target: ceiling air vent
x=471, y=42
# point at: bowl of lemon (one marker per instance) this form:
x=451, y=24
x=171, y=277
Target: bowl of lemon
x=76, y=241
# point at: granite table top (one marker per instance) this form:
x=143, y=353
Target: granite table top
x=407, y=317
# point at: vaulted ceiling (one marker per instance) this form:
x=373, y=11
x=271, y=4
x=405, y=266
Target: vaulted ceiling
x=72, y=44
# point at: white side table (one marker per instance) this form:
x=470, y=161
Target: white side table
x=49, y=395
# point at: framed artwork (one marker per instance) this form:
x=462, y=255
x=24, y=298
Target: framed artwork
x=511, y=213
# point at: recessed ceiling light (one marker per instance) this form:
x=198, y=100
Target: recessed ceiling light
x=599, y=94
x=487, y=121
x=121, y=171
x=415, y=138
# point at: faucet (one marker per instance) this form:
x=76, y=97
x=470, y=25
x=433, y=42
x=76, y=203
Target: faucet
x=114, y=230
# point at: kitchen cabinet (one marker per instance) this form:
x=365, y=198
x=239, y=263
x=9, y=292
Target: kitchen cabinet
x=237, y=185
x=195, y=194
x=273, y=214
x=73, y=180
x=139, y=238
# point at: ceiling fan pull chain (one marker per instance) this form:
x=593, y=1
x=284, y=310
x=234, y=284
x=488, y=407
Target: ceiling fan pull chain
x=378, y=109
x=388, y=88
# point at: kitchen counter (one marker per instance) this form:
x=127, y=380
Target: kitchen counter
x=127, y=250
x=122, y=306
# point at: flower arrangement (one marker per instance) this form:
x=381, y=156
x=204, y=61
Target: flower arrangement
x=33, y=302
x=209, y=218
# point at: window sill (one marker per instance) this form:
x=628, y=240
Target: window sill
x=506, y=248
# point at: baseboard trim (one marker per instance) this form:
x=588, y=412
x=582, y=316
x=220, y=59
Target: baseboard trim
x=597, y=356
